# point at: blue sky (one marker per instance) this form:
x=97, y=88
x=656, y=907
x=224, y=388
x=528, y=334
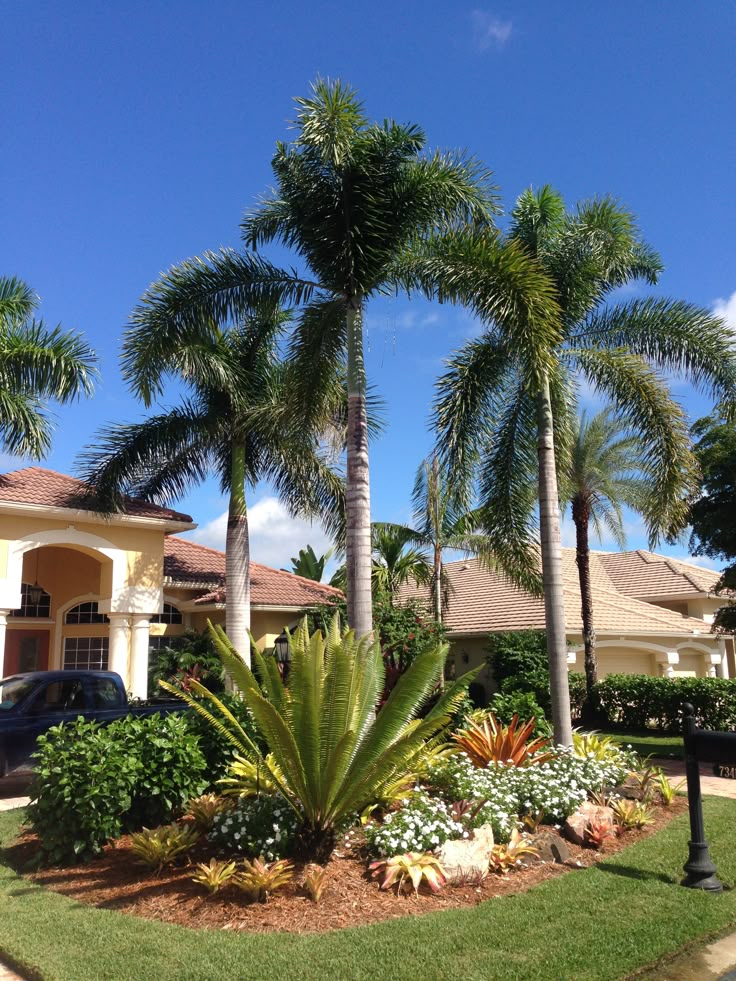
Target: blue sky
x=136, y=134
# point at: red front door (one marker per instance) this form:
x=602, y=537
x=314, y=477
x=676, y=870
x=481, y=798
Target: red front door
x=26, y=650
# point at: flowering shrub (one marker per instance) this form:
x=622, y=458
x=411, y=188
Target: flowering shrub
x=555, y=787
x=259, y=826
x=423, y=824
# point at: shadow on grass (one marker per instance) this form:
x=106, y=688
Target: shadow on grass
x=626, y=872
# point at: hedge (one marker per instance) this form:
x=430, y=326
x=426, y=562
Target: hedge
x=638, y=701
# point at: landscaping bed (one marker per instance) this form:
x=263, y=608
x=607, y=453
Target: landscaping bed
x=351, y=898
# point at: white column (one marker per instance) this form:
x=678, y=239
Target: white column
x=723, y=667
x=139, y=655
x=118, y=660
x=3, y=625
x=668, y=660
x=712, y=664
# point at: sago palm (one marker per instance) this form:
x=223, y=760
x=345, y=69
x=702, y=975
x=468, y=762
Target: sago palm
x=350, y=197
x=505, y=407
x=327, y=751
x=231, y=423
x=441, y=522
x=606, y=471
x=37, y=365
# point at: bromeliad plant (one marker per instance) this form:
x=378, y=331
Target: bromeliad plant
x=162, y=846
x=215, y=875
x=327, y=752
x=259, y=879
x=489, y=741
x=413, y=867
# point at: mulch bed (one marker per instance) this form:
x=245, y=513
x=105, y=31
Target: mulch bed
x=352, y=898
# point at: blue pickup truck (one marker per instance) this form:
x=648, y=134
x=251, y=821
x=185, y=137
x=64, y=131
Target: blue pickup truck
x=30, y=704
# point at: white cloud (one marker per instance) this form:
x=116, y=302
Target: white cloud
x=275, y=536
x=727, y=310
x=489, y=31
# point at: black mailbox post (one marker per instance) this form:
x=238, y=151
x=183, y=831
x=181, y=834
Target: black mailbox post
x=702, y=745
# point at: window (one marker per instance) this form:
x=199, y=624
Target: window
x=86, y=653
x=27, y=609
x=14, y=690
x=170, y=615
x=85, y=613
x=60, y=696
x=105, y=694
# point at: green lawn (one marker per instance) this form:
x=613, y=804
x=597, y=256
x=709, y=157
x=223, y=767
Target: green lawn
x=648, y=743
x=602, y=923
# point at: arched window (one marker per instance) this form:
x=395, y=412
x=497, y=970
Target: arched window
x=85, y=613
x=28, y=609
x=170, y=615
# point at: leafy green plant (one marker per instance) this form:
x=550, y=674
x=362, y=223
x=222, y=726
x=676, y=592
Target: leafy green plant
x=638, y=701
x=524, y=705
x=214, y=875
x=188, y=655
x=332, y=756
x=491, y=742
x=632, y=814
x=412, y=868
x=593, y=744
x=262, y=826
x=506, y=856
x=216, y=747
x=82, y=789
x=247, y=778
x=667, y=791
x=259, y=879
x=315, y=883
x=161, y=846
x=206, y=808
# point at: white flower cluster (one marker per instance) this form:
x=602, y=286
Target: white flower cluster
x=257, y=826
x=423, y=824
x=556, y=787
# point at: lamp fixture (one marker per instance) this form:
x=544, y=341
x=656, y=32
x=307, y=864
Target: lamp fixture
x=35, y=592
x=281, y=649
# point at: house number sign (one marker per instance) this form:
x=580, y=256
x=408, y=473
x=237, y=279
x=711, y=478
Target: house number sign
x=727, y=770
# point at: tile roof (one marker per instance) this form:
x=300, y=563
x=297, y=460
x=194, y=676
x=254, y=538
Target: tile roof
x=644, y=574
x=188, y=562
x=47, y=488
x=483, y=601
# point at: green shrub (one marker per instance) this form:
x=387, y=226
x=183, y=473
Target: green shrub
x=638, y=701
x=523, y=704
x=578, y=692
x=189, y=656
x=94, y=782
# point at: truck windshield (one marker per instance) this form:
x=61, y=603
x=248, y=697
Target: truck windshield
x=14, y=690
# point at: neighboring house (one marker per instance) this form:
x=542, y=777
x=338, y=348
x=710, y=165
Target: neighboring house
x=652, y=615
x=110, y=588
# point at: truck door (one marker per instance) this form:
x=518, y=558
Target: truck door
x=54, y=702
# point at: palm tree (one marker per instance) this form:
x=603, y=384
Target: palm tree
x=351, y=198
x=232, y=423
x=607, y=470
x=308, y=565
x=394, y=563
x=505, y=407
x=441, y=522
x=37, y=364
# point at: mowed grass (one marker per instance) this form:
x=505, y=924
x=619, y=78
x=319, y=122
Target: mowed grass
x=648, y=743
x=599, y=923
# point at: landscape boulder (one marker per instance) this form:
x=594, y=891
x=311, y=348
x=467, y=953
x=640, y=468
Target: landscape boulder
x=574, y=827
x=467, y=858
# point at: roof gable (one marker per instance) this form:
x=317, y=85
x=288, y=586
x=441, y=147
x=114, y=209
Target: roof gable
x=643, y=574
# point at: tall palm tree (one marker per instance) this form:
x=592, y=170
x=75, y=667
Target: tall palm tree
x=395, y=562
x=37, y=364
x=606, y=470
x=231, y=422
x=505, y=407
x=351, y=198
x=441, y=522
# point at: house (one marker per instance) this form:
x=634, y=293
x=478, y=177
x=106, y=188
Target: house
x=78, y=589
x=653, y=615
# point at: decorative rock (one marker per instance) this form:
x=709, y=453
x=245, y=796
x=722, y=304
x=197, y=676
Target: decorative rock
x=551, y=848
x=467, y=858
x=574, y=827
x=630, y=788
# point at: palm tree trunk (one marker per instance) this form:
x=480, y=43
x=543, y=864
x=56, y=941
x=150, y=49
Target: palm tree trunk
x=581, y=518
x=437, y=583
x=554, y=599
x=237, y=559
x=357, y=491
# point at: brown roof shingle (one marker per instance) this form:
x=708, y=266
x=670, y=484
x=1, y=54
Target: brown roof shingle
x=645, y=574
x=188, y=562
x=484, y=601
x=48, y=488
